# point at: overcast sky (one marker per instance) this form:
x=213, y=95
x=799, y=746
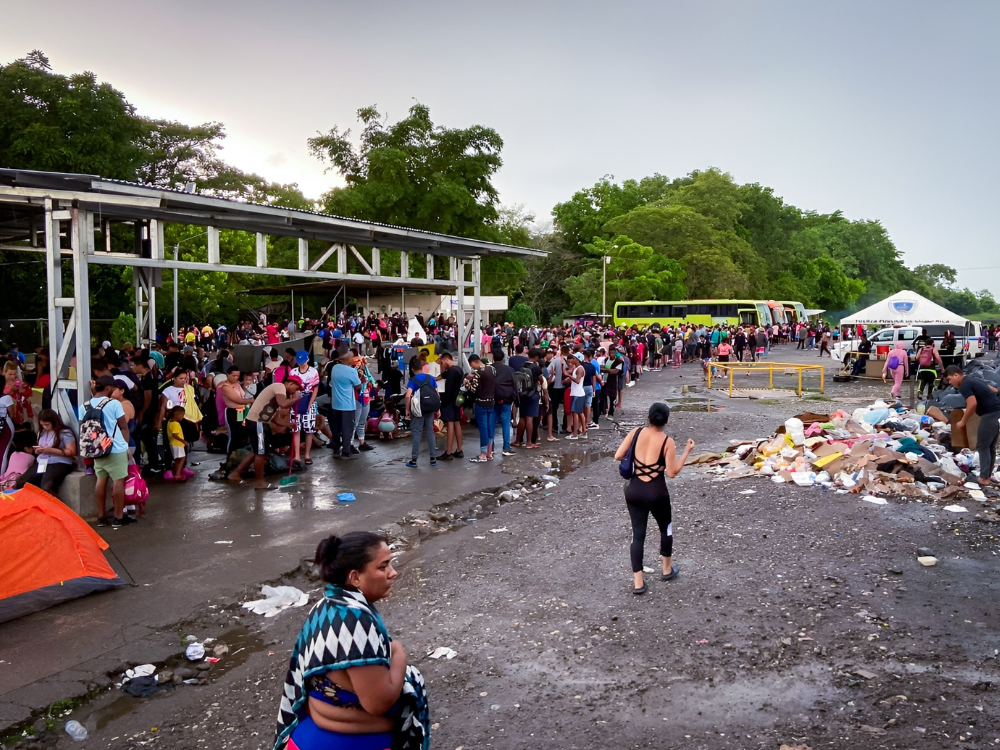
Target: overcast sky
x=884, y=110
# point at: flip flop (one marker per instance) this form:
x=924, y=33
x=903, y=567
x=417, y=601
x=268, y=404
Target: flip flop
x=674, y=572
x=552, y=439
x=309, y=462
x=478, y=460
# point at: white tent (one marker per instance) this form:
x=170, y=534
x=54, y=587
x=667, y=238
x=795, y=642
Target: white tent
x=904, y=308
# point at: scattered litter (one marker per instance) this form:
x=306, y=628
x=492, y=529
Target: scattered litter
x=478, y=537
x=497, y=531
x=875, y=500
x=212, y=659
x=443, y=651
x=927, y=561
x=748, y=492
x=195, y=652
x=76, y=730
x=142, y=687
x=143, y=670
x=956, y=509
x=277, y=599
x=865, y=674
x=225, y=541
x=977, y=495
x=647, y=569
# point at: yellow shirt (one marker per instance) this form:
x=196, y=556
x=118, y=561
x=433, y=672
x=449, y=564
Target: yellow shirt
x=189, y=337
x=175, y=434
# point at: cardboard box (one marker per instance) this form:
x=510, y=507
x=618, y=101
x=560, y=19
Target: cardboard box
x=964, y=437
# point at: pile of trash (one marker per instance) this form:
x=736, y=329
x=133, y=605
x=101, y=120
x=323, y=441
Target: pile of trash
x=878, y=450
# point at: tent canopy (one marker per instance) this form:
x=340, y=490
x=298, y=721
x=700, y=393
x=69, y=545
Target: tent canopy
x=904, y=308
x=50, y=554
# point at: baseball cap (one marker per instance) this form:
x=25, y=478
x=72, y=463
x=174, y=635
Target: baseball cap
x=579, y=356
x=106, y=380
x=124, y=383
x=294, y=379
x=106, y=344
x=301, y=357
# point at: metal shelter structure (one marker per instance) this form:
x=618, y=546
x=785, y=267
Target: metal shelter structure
x=69, y=217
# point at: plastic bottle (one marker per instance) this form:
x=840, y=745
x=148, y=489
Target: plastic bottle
x=76, y=730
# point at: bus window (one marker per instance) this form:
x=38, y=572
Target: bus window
x=748, y=317
x=763, y=314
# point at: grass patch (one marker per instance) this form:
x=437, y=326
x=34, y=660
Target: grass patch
x=816, y=397
x=768, y=401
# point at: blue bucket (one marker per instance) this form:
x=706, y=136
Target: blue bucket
x=346, y=497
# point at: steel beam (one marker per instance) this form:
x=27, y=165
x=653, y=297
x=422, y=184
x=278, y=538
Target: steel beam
x=261, y=250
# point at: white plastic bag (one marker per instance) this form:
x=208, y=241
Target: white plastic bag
x=277, y=599
x=795, y=430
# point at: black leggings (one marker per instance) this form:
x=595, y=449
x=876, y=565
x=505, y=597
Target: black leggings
x=641, y=499
x=235, y=430
x=926, y=378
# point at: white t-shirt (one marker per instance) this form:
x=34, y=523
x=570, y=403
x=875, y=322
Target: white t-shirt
x=6, y=402
x=175, y=396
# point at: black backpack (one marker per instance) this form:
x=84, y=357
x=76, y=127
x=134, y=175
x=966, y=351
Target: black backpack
x=94, y=439
x=524, y=381
x=505, y=388
x=427, y=398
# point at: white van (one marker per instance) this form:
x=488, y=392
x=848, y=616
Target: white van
x=970, y=346
x=886, y=337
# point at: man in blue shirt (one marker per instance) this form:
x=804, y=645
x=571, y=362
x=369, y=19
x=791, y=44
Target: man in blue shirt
x=113, y=466
x=344, y=384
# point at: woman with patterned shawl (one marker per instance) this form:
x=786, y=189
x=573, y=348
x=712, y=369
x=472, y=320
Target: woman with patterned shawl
x=348, y=685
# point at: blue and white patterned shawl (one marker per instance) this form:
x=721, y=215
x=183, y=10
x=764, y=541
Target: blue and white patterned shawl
x=343, y=630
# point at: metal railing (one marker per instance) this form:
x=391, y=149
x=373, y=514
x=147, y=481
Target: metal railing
x=770, y=367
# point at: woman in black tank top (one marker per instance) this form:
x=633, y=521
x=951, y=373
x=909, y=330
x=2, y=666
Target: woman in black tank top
x=654, y=459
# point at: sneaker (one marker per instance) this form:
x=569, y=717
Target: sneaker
x=123, y=521
x=354, y=451
x=445, y=457
x=411, y=464
x=366, y=447
x=104, y=520
x=509, y=453
x=572, y=437
x=90, y=471
x=348, y=456
x=459, y=454
x=434, y=462
x=593, y=426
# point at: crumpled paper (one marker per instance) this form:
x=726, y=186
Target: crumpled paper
x=277, y=599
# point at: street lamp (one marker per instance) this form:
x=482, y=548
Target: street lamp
x=604, y=287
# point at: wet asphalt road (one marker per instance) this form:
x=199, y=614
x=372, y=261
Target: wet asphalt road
x=799, y=617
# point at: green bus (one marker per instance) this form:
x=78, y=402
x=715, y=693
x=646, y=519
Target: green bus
x=707, y=312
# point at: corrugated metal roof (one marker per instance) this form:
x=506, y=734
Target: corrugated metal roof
x=278, y=220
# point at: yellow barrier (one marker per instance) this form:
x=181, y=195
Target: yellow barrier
x=770, y=367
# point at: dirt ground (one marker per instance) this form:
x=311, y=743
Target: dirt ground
x=799, y=617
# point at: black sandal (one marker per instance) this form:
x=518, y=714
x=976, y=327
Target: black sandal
x=640, y=592
x=674, y=572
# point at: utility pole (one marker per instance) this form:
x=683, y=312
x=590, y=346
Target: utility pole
x=604, y=287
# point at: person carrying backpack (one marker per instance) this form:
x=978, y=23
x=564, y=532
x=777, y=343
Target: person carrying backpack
x=898, y=363
x=505, y=391
x=422, y=406
x=927, y=372
x=104, y=438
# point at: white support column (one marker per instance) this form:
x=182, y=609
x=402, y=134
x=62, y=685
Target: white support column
x=476, y=312
x=341, y=258
x=82, y=243
x=430, y=266
x=261, y=250
x=461, y=330
x=60, y=339
x=213, y=245
x=152, y=281
x=138, y=286
x=156, y=239
x=376, y=262
x=404, y=264
x=303, y=254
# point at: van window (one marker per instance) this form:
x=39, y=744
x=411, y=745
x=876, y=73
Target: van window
x=887, y=335
x=908, y=334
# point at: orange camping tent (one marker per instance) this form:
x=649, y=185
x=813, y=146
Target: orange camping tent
x=50, y=554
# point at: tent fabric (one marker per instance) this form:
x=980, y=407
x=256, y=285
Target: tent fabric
x=46, y=544
x=904, y=308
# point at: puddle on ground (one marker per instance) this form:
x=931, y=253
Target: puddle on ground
x=115, y=704
x=691, y=398
x=569, y=461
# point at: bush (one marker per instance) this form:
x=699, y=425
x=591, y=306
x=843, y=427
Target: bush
x=123, y=330
x=521, y=316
